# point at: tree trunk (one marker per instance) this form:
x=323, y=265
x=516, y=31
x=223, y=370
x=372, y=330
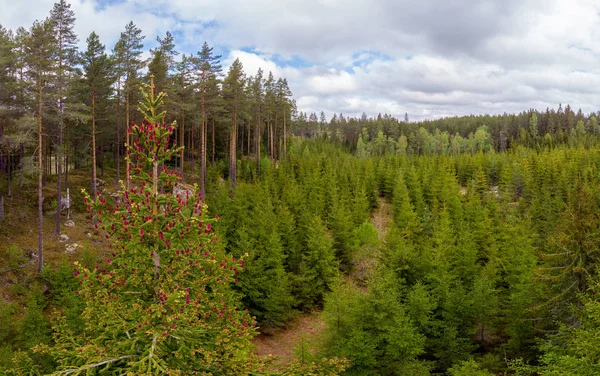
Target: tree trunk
x=248, y=127
x=66, y=159
x=275, y=139
x=269, y=137
x=181, y=142
x=93, y=147
x=127, y=161
x=118, y=154
x=102, y=160
x=40, y=176
x=272, y=141
x=284, y=136
x=191, y=144
x=203, y=127
x=232, y=152
x=257, y=139
x=21, y=165
x=59, y=168
x=43, y=164
x=213, y=141
x=241, y=143
x=8, y=170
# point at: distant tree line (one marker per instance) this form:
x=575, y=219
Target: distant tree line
x=451, y=136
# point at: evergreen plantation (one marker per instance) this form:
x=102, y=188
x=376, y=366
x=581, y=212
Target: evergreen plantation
x=237, y=213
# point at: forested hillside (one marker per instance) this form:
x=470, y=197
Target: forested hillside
x=212, y=210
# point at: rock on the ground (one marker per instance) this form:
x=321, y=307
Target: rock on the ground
x=70, y=248
x=63, y=238
x=117, y=197
x=70, y=223
x=183, y=191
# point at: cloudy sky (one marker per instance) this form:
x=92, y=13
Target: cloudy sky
x=429, y=58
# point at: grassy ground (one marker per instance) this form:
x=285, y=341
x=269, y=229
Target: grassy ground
x=19, y=230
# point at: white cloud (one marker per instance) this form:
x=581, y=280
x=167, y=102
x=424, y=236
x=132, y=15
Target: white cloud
x=333, y=82
x=427, y=58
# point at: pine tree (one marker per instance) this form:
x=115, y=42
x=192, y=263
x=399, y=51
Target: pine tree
x=40, y=49
x=533, y=128
x=257, y=96
x=182, y=97
x=577, y=351
x=97, y=83
x=403, y=211
x=567, y=263
x=318, y=266
x=8, y=62
x=163, y=61
x=270, y=106
x=233, y=93
x=209, y=67
x=63, y=21
x=128, y=51
x=283, y=92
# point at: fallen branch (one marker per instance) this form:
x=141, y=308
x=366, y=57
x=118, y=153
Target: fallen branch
x=90, y=366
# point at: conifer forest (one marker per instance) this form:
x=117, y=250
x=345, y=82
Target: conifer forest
x=164, y=213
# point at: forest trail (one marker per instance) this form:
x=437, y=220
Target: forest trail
x=382, y=216
x=283, y=344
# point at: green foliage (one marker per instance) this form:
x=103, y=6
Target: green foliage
x=12, y=257
x=468, y=368
x=575, y=350
x=373, y=329
x=264, y=283
x=34, y=329
x=322, y=367
x=162, y=303
x=318, y=266
x=63, y=295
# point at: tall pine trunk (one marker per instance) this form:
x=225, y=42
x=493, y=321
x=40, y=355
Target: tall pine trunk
x=180, y=142
x=203, y=157
x=284, y=135
x=21, y=164
x=191, y=149
x=248, y=128
x=9, y=169
x=213, y=141
x=66, y=161
x=127, y=161
x=59, y=172
x=60, y=137
x=203, y=127
x=275, y=139
x=232, y=152
x=93, y=147
x=257, y=139
x=40, y=176
x=118, y=159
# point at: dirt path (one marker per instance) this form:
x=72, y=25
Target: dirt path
x=284, y=344
x=382, y=216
